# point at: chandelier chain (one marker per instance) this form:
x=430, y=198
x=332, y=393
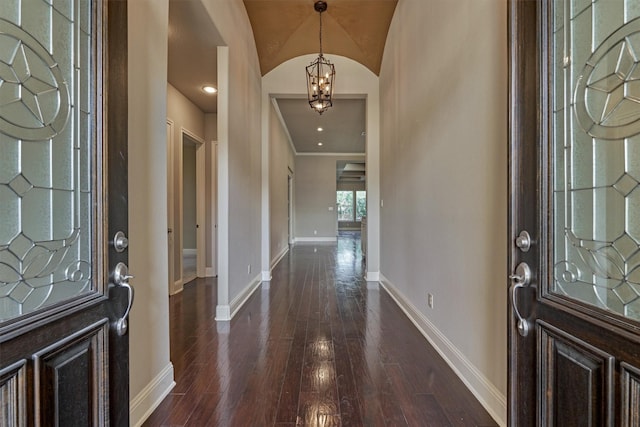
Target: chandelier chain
x=320, y=33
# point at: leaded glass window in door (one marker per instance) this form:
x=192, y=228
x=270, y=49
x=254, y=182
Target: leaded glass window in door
x=48, y=150
x=595, y=125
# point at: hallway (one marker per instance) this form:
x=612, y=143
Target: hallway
x=318, y=348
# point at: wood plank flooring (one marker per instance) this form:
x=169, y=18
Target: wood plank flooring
x=317, y=348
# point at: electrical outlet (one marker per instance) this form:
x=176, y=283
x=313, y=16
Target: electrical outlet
x=315, y=232
x=430, y=300
x=249, y=269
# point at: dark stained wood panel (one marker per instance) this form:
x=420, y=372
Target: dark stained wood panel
x=70, y=379
x=577, y=381
x=13, y=395
x=317, y=348
x=630, y=395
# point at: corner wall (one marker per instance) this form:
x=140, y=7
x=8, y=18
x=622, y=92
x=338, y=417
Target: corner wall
x=282, y=163
x=151, y=371
x=239, y=156
x=443, y=97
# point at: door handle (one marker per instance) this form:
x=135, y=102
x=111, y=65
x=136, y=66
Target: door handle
x=520, y=279
x=121, y=278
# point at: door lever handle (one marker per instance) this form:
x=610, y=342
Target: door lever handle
x=521, y=279
x=121, y=278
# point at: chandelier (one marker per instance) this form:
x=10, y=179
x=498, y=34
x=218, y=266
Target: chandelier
x=320, y=74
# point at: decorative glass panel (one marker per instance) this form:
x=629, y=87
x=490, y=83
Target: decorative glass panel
x=47, y=147
x=595, y=116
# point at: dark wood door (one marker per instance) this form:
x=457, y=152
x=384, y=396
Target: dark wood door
x=63, y=197
x=574, y=332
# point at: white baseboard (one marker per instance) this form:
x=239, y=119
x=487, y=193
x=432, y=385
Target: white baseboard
x=372, y=276
x=279, y=257
x=223, y=313
x=177, y=287
x=487, y=394
x=265, y=276
x=187, y=279
x=237, y=303
x=316, y=239
x=192, y=252
x=151, y=396
x=209, y=272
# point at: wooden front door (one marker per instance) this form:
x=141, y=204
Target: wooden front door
x=574, y=334
x=63, y=196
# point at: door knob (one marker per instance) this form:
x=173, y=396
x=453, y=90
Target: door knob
x=520, y=279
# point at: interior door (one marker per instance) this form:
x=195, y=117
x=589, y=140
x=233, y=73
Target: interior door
x=574, y=335
x=63, y=197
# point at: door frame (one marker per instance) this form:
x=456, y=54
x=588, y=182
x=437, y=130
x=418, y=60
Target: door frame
x=170, y=212
x=200, y=204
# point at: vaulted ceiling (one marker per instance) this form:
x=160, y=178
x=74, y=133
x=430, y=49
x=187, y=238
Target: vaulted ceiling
x=285, y=29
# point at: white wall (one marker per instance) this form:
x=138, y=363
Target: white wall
x=151, y=372
x=187, y=118
x=315, y=193
x=239, y=149
x=443, y=97
x=354, y=80
x=281, y=163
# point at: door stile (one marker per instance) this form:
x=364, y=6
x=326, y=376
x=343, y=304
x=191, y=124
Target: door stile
x=117, y=159
x=523, y=167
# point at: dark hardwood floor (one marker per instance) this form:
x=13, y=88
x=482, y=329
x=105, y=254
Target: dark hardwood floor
x=318, y=348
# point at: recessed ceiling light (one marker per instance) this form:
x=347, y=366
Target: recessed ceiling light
x=209, y=89
x=320, y=129
x=319, y=144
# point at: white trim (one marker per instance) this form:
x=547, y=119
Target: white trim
x=265, y=276
x=201, y=238
x=487, y=394
x=177, y=287
x=143, y=405
x=189, y=252
x=265, y=203
x=278, y=257
x=199, y=146
x=171, y=259
x=226, y=312
x=237, y=303
x=187, y=279
x=332, y=154
x=223, y=313
x=223, y=309
x=213, y=270
x=372, y=276
x=316, y=239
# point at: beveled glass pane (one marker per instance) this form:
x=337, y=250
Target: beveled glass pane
x=596, y=153
x=47, y=152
